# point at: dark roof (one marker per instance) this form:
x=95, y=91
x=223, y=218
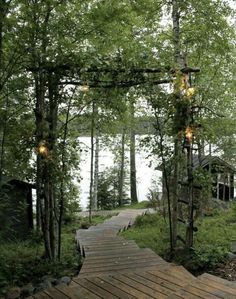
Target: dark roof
x=12, y=180
x=206, y=160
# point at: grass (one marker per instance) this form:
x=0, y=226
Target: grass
x=212, y=242
x=139, y=205
x=22, y=262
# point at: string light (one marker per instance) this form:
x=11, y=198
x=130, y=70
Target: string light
x=189, y=133
x=84, y=88
x=190, y=92
x=42, y=148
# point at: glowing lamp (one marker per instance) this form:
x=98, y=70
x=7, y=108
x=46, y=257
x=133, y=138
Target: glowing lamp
x=84, y=88
x=190, y=92
x=189, y=134
x=42, y=149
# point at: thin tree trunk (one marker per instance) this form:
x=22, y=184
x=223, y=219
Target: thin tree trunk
x=189, y=231
x=166, y=181
x=133, y=181
x=91, y=164
x=122, y=165
x=52, y=140
x=96, y=173
x=2, y=16
x=63, y=171
x=39, y=122
x=224, y=186
x=178, y=62
x=4, y=130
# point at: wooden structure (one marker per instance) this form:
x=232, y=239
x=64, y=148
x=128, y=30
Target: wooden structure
x=222, y=174
x=117, y=268
x=16, y=209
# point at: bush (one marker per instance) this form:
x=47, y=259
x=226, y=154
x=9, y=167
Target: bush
x=108, y=185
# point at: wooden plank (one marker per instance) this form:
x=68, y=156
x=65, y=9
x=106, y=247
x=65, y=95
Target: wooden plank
x=111, y=241
x=41, y=295
x=186, y=295
x=77, y=292
x=219, y=280
x=174, y=296
x=100, y=243
x=110, y=288
x=169, y=285
x=114, y=267
x=178, y=271
x=55, y=293
x=203, y=293
x=114, y=254
x=140, y=287
x=126, y=288
x=148, y=283
x=214, y=289
x=168, y=277
x=120, y=262
x=95, y=289
x=110, y=248
x=134, y=256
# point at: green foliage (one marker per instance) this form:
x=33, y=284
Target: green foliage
x=212, y=241
x=108, y=190
x=150, y=231
x=22, y=262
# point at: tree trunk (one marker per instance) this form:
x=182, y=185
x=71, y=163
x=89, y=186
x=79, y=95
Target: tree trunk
x=52, y=141
x=122, y=165
x=165, y=177
x=91, y=163
x=96, y=173
x=2, y=17
x=40, y=82
x=63, y=172
x=177, y=61
x=133, y=186
x=189, y=231
x=4, y=130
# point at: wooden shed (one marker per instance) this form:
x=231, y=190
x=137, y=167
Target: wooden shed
x=16, y=208
x=222, y=175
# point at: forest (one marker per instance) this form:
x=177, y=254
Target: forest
x=111, y=70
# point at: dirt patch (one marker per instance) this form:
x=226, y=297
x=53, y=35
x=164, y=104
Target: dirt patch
x=226, y=271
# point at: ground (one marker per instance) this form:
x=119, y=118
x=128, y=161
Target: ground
x=226, y=270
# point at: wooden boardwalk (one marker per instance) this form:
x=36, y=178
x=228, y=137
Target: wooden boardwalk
x=116, y=268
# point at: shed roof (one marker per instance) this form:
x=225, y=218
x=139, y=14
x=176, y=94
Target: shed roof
x=206, y=160
x=10, y=180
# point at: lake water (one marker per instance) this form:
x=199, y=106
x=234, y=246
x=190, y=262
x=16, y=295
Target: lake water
x=145, y=174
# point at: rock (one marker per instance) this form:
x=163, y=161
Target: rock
x=14, y=293
x=27, y=290
x=50, y=279
x=43, y=286
x=53, y=281
x=65, y=280
x=231, y=256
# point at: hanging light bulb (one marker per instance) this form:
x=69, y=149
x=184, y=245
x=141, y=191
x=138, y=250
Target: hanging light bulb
x=189, y=134
x=190, y=92
x=42, y=148
x=84, y=88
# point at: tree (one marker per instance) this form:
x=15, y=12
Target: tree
x=133, y=186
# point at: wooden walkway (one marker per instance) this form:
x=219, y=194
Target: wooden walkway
x=116, y=268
